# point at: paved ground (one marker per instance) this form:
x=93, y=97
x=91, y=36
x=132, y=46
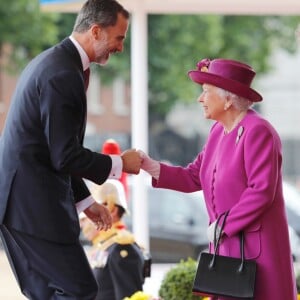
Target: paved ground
x=9, y=289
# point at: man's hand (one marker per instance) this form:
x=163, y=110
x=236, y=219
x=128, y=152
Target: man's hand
x=131, y=161
x=99, y=215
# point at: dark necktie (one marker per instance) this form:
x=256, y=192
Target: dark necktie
x=86, y=76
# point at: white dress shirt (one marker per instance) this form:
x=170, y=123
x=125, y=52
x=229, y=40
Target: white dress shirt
x=117, y=164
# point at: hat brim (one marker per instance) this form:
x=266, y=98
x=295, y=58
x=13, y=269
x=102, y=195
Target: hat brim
x=226, y=84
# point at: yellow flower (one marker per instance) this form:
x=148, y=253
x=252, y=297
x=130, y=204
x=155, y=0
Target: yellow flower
x=139, y=296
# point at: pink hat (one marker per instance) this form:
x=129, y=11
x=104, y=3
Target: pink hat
x=230, y=75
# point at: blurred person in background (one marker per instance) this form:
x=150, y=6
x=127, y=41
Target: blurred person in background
x=43, y=161
x=117, y=260
x=240, y=171
x=111, y=146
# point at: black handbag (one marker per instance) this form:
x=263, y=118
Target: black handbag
x=219, y=275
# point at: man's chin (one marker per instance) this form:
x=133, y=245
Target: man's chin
x=101, y=63
x=103, y=60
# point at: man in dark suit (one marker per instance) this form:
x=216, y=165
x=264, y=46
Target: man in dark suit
x=43, y=161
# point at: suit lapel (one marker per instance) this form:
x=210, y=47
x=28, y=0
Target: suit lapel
x=73, y=52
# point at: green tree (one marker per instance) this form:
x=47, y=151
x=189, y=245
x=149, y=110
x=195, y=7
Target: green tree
x=177, y=42
x=26, y=29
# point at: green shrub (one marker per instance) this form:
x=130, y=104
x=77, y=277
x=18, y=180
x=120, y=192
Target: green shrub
x=178, y=281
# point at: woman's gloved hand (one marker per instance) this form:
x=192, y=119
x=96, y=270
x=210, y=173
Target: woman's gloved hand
x=211, y=232
x=150, y=165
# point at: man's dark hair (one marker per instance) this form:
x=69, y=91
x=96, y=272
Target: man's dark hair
x=101, y=12
x=121, y=211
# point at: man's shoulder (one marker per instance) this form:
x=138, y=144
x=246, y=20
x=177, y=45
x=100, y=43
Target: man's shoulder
x=124, y=237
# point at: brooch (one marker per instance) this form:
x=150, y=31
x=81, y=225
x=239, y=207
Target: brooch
x=239, y=134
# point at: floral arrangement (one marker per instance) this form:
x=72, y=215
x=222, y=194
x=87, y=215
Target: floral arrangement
x=141, y=296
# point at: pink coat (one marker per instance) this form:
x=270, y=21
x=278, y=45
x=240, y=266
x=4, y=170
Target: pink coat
x=241, y=172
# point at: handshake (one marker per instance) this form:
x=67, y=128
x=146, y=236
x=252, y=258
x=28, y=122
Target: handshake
x=134, y=160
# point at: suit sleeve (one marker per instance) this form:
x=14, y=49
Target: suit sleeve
x=63, y=112
x=80, y=190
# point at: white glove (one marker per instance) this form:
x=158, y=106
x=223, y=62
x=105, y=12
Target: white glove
x=150, y=165
x=211, y=232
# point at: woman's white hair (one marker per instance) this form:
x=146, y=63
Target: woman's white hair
x=238, y=102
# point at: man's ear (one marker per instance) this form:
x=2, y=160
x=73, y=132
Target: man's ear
x=95, y=31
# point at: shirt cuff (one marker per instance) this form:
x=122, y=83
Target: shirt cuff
x=116, y=167
x=84, y=204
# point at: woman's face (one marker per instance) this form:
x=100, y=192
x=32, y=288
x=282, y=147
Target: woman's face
x=213, y=103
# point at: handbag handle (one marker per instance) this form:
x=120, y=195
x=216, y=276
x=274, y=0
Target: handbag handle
x=217, y=242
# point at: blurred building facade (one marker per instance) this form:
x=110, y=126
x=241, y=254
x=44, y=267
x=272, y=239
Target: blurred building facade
x=281, y=105
x=108, y=109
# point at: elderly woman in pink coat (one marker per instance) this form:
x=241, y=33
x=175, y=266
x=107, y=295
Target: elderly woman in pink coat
x=240, y=171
